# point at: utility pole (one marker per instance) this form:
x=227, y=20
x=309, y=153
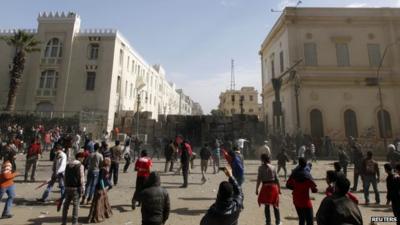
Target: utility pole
x=137, y=115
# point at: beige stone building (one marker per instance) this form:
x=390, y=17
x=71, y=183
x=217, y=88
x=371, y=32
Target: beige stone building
x=95, y=71
x=230, y=101
x=341, y=49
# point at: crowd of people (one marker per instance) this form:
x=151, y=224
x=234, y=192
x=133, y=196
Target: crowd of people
x=86, y=170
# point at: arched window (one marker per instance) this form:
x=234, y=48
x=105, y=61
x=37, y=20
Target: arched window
x=317, y=126
x=53, y=49
x=384, y=124
x=350, y=123
x=93, y=51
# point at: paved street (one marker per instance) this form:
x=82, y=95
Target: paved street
x=187, y=205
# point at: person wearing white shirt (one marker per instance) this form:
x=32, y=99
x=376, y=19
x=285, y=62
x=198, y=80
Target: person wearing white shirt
x=59, y=165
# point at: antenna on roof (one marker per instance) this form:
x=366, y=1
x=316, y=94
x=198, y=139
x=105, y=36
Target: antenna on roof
x=297, y=5
x=232, y=75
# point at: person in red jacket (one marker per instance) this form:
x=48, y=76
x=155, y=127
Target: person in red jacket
x=301, y=182
x=142, y=166
x=7, y=186
x=32, y=157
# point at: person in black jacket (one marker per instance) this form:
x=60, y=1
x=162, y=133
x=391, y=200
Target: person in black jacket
x=155, y=202
x=229, y=203
x=393, y=193
x=338, y=209
x=169, y=151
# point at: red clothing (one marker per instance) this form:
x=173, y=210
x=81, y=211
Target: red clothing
x=34, y=149
x=330, y=190
x=143, y=165
x=189, y=148
x=47, y=138
x=301, y=192
x=269, y=195
x=7, y=179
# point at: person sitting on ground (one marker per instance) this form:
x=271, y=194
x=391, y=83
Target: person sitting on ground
x=155, y=202
x=338, y=208
x=229, y=203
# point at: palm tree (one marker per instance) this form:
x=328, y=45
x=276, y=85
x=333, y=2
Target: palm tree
x=23, y=43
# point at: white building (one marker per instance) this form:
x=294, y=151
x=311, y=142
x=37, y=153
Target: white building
x=92, y=70
x=234, y=101
x=341, y=50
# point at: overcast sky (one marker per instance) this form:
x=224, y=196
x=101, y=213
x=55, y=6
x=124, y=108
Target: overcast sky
x=194, y=40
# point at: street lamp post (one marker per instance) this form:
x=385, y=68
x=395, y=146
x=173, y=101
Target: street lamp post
x=296, y=80
x=381, y=109
x=137, y=115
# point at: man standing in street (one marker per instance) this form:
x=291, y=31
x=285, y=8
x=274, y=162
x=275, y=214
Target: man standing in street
x=155, y=202
x=59, y=164
x=116, y=153
x=205, y=154
x=185, y=153
x=371, y=175
x=32, y=158
x=343, y=160
x=142, y=166
x=169, y=152
x=74, y=187
x=93, y=166
x=357, y=159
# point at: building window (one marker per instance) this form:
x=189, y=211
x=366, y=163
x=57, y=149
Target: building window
x=374, y=53
x=131, y=91
x=233, y=98
x=121, y=58
x=93, y=51
x=251, y=110
x=251, y=98
x=272, y=68
x=118, y=85
x=384, y=120
x=281, y=62
x=350, y=123
x=53, y=49
x=127, y=63
x=48, y=83
x=126, y=88
x=233, y=111
x=342, y=54
x=133, y=66
x=90, y=81
x=317, y=126
x=310, y=54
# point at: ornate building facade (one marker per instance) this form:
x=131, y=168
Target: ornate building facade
x=93, y=70
x=334, y=91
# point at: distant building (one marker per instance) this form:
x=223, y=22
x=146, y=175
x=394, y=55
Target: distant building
x=341, y=50
x=94, y=70
x=196, y=109
x=230, y=102
x=185, y=103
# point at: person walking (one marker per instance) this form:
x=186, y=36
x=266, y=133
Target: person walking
x=127, y=154
x=32, y=157
x=116, y=153
x=357, y=159
x=393, y=187
x=270, y=190
x=100, y=208
x=343, y=160
x=9, y=153
x=142, y=166
x=216, y=155
x=94, y=161
x=371, y=175
x=301, y=182
x=205, y=154
x=237, y=166
x=283, y=158
x=155, y=202
x=59, y=164
x=74, y=187
x=338, y=208
x=331, y=177
x=229, y=204
x=7, y=186
x=169, y=152
x=185, y=153
x=264, y=149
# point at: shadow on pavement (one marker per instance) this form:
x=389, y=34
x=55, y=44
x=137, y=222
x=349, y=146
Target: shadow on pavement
x=197, y=199
x=189, y=212
x=122, y=208
x=51, y=220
